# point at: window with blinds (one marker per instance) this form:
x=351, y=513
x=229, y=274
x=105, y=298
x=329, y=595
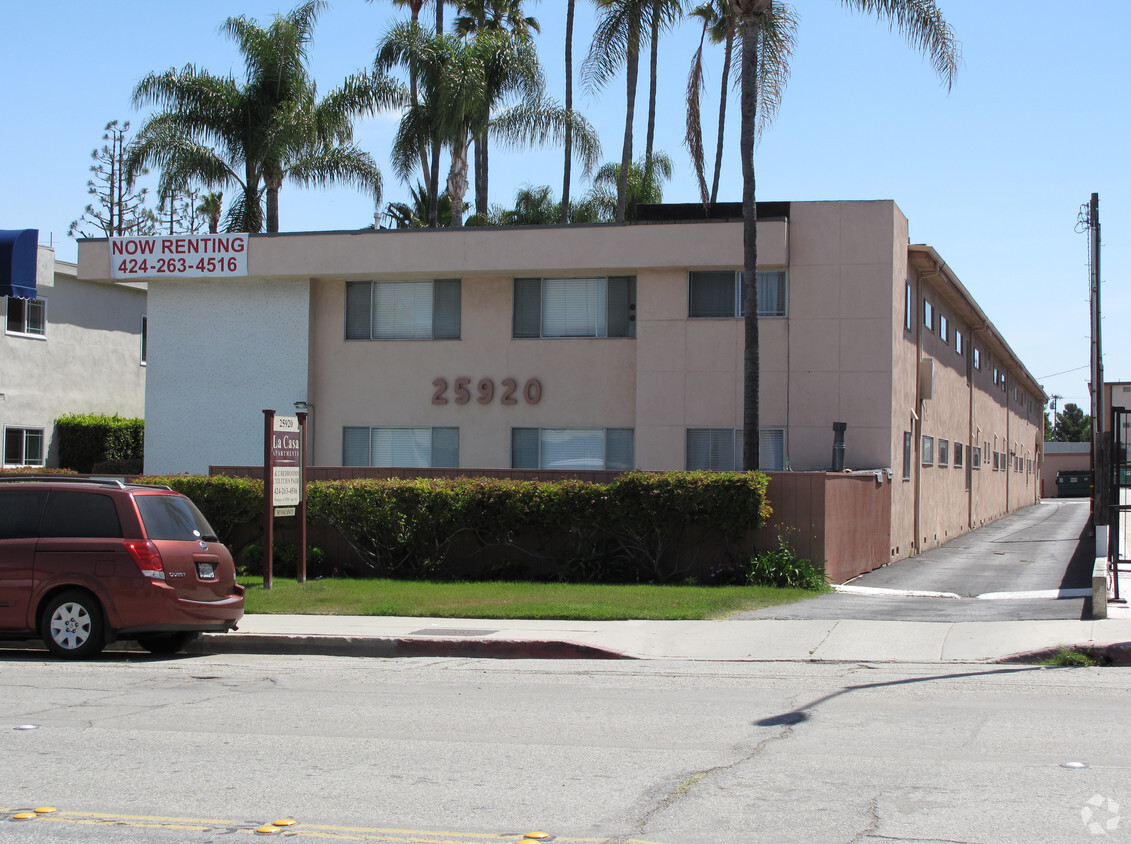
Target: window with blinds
x=575, y=307
x=611, y=449
x=403, y=310
x=719, y=293
x=410, y=448
x=720, y=449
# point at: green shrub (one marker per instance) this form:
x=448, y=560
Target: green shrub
x=781, y=567
x=86, y=439
x=634, y=528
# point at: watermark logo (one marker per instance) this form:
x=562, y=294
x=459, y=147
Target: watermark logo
x=1100, y=815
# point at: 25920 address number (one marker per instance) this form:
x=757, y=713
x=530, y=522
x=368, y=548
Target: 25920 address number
x=531, y=392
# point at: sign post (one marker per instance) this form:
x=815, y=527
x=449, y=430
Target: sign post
x=284, y=484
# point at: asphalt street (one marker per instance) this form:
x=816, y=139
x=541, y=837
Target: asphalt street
x=1012, y=569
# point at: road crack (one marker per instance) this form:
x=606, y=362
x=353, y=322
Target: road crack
x=684, y=788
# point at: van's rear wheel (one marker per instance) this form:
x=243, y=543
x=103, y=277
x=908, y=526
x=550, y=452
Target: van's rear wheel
x=165, y=644
x=73, y=625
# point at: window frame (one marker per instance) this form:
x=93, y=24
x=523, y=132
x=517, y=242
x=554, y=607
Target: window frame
x=25, y=432
x=909, y=308
x=958, y=448
x=450, y=287
x=618, y=323
x=944, y=328
x=26, y=308
x=908, y=454
x=433, y=430
x=927, y=458
x=928, y=315
x=943, y=452
x=606, y=432
x=738, y=309
x=765, y=435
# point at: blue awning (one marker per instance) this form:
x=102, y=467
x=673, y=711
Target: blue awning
x=18, y=250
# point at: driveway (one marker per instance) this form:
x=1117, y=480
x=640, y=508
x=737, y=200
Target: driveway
x=1034, y=564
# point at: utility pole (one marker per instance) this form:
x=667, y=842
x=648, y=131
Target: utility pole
x=1090, y=217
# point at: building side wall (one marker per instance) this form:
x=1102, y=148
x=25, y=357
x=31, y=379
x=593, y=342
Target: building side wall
x=88, y=361
x=839, y=350
x=220, y=352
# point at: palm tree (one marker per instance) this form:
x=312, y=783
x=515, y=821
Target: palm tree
x=569, y=107
x=644, y=186
x=211, y=205
x=269, y=129
x=616, y=40
x=491, y=16
x=664, y=14
x=721, y=26
x=459, y=82
x=921, y=22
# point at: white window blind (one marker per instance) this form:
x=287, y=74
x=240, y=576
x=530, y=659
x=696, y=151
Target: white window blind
x=573, y=448
x=406, y=447
x=402, y=310
x=720, y=449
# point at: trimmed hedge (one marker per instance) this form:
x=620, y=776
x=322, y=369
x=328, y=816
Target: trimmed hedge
x=87, y=440
x=641, y=527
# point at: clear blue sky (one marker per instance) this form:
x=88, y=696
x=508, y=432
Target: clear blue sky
x=992, y=175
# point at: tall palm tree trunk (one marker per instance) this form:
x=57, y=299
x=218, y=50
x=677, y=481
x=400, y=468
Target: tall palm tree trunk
x=481, y=175
x=569, y=110
x=633, y=68
x=654, y=59
x=723, y=91
x=273, y=207
x=751, y=37
x=434, y=174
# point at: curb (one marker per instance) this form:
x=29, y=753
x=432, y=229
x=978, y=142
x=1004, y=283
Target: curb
x=252, y=643
x=1112, y=653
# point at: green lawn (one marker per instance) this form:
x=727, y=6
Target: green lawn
x=510, y=600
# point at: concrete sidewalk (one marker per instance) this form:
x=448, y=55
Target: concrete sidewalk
x=764, y=640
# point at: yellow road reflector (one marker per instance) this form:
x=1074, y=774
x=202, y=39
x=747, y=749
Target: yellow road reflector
x=285, y=822
x=267, y=829
x=536, y=836
x=24, y=816
x=45, y=810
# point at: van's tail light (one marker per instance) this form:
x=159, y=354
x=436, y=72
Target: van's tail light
x=147, y=557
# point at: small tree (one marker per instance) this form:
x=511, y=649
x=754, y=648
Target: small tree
x=117, y=208
x=178, y=213
x=1072, y=425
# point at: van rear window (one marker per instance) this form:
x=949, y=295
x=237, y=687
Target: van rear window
x=173, y=517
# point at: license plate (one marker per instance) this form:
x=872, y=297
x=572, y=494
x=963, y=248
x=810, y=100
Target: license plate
x=206, y=571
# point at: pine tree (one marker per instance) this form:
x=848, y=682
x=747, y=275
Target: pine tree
x=117, y=210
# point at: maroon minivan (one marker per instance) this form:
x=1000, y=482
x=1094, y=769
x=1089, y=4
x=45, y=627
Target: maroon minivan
x=86, y=562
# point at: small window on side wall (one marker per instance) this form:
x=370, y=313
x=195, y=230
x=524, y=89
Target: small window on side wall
x=928, y=315
x=928, y=451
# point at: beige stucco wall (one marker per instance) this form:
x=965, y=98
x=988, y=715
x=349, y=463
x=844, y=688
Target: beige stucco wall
x=841, y=355
x=88, y=361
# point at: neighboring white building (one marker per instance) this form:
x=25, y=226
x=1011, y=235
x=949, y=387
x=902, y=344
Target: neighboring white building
x=68, y=346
